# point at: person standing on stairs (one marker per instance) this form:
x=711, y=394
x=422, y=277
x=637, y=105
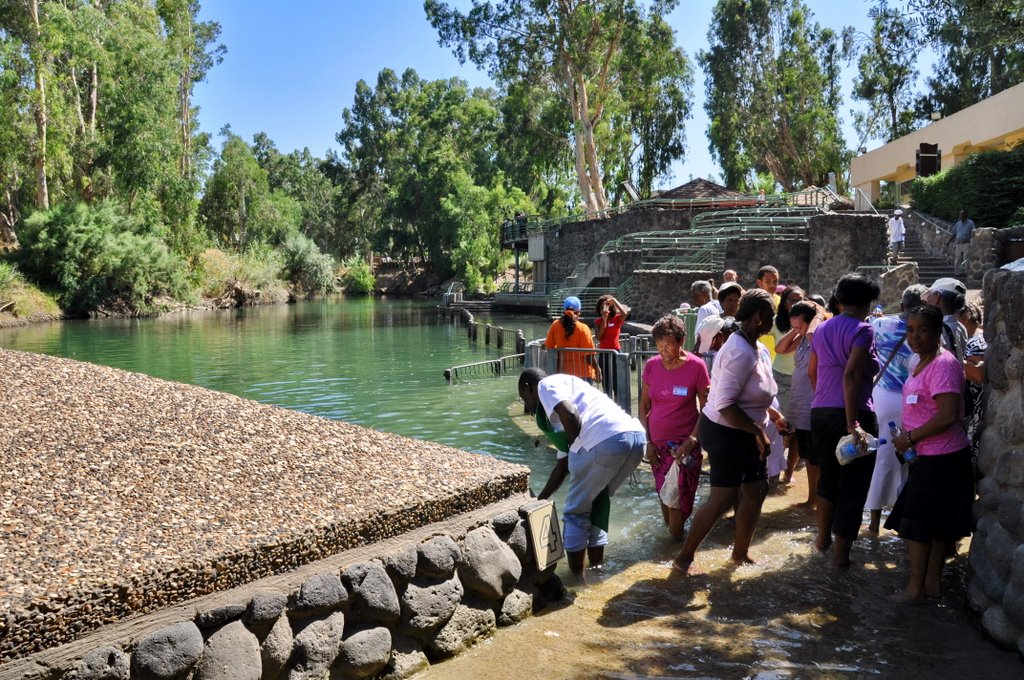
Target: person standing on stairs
x=963, y=229
x=897, y=235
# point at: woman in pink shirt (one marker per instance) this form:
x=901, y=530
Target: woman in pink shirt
x=933, y=510
x=732, y=430
x=675, y=388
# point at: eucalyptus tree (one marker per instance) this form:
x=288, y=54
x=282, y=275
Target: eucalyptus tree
x=578, y=50
x=773, y=92
x=886, y=75
x=980, y=47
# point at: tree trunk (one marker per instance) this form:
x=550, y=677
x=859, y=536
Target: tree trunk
x=590, y=149
x=586, y=193
x=42, y=192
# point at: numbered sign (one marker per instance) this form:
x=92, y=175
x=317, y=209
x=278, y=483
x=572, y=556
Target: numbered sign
x=545, y=534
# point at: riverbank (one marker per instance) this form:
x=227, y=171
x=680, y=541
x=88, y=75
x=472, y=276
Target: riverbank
x=791, y=615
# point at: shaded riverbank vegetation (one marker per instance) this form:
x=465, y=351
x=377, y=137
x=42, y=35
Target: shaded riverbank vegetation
x=112, y=200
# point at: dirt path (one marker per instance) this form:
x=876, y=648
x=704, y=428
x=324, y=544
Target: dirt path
x=791, y=615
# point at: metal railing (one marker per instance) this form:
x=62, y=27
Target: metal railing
x=615, y=368
x=529, y=287
x=495, y=367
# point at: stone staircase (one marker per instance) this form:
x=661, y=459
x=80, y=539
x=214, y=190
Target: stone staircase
x=929, y=267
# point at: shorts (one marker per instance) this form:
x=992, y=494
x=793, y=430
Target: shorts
x=844, y=485
x=732, y=453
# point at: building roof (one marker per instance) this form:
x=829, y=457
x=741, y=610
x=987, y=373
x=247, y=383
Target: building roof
x=699, y=188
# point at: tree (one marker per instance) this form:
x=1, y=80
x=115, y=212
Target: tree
x=772, y=93
x=980, y=44
x=235, y=196
x=573, y=48
x=885, y=76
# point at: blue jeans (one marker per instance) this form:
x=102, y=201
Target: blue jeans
x=606, y=465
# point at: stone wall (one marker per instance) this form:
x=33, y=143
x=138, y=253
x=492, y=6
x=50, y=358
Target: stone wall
x=388, y=616
x=996, y=588
x=569, y=244
x=985, y=251
x=656, y=292
x=1003, y=239
x=789, y=256
x=839, y=243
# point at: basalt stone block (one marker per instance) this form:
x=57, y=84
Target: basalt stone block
x=984, y=575
x=988, y=455
x=516, y=607
x=1009, y=415
x=363, y=654
x=218, y=616
x=1009, y=513
x=504, y=523
x=401, y=565
x=316, y=648
x=489, y=567
x=998, y=353
x=373, y=594
x=465, y=628
x=103, y=663
x=519, y=541
x=438, y=557
x=999, y=546
x=319, y=594
x=277, y=649
x=1010, y=470
x=407, y=658
x=1014, y=367
x=168, y=654
x=998, y=625
x=231, y=653
x=265, y=607
x=427, y=607
x=1011, y=291
x=976, y=597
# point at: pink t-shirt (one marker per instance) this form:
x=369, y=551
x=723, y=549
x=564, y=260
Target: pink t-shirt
x=742, y=375
x=673, y=394
x=944, y=375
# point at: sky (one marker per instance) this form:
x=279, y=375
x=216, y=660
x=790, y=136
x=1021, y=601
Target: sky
x=291, y=68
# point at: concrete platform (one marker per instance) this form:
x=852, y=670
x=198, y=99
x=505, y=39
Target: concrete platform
x=121, y=494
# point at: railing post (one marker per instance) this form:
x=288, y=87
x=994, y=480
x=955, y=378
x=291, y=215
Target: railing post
x=623, y=396
x=501, y=337
x=487, y=334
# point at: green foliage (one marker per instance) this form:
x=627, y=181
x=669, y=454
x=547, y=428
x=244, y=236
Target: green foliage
x=310, y=270
x=23, y=300
x=772, y=77
x=358, y=278
x=988, y=185
x=886, y=75
x=96, y=255
x=218, y=272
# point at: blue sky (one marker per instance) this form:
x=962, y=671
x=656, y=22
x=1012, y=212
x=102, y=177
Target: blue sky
x=292, y=67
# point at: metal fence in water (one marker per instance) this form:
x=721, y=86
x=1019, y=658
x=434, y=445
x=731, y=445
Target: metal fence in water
x=506, y=364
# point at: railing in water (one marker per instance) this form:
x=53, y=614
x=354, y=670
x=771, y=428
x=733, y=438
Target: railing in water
x=496, y=367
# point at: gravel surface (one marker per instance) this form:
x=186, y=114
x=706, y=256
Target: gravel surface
x=121, y=493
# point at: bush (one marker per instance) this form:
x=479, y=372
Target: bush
x=94, y=255
x=219, y=272
x=306, y=267
x=23, y=300
x=358, y=279
x=988, y=185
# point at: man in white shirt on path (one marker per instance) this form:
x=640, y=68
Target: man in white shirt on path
x=897, y=235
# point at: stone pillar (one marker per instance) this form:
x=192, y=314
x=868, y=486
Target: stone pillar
x=982, y=255
x=839, y=243
x=996, y=588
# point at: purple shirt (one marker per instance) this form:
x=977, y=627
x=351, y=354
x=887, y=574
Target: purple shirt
x=833, y=343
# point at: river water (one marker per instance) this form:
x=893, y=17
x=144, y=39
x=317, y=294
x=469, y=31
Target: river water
x=380, y=364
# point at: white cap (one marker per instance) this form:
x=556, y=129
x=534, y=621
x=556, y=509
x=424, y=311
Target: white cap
x=709, y=327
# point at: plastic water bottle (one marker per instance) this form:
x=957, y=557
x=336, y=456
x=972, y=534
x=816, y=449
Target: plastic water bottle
x=908, y=456
x=850, y=450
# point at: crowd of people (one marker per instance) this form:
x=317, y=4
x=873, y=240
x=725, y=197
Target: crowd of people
x=880, y=411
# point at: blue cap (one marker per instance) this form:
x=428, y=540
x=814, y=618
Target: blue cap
x=572, y=302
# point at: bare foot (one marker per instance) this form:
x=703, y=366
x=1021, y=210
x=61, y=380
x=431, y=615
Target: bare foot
x=823, y=546
x=906, y=597
x=743, y=559
x=682, y=567
x=872, y=530
x=841, y=563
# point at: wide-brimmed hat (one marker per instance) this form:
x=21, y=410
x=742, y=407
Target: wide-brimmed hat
x=949, y=285
x=572, y=302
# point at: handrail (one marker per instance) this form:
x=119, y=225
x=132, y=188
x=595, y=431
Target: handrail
x=867, y=199
x=938, y=227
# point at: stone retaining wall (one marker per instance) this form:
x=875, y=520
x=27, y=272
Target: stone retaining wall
x=385, y=617
x=789, y=256
x=658, y=292
x=841, y=242
x=996, y=588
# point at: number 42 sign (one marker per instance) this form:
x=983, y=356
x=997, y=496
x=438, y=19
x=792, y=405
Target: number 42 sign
x=545, y=534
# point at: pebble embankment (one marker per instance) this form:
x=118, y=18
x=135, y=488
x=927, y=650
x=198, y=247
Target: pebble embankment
x=121, y=493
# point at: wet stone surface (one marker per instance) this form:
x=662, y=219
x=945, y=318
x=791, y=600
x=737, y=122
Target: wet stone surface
x=121, y=494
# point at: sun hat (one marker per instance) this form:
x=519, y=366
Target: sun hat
x=729, y=285
x=897, y=211
x=572, y=302
x=707, y=329
x=949, y=285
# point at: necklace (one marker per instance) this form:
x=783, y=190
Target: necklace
x=924, y=362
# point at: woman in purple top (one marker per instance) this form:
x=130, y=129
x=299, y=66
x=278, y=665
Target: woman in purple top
x=841, y=367
x=933, y=510
x=732, y=430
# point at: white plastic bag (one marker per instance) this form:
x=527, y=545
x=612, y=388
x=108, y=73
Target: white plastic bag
x=845, y=453
x=670, y=489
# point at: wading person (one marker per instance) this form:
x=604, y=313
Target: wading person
x=805, y=317
x=569, y=332
x=611, y=314
x=841, y=367
x=675, y=388
x=605, y=445
x=732, y=429
x=933, y=510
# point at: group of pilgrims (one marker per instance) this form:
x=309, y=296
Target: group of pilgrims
x=879, y=411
